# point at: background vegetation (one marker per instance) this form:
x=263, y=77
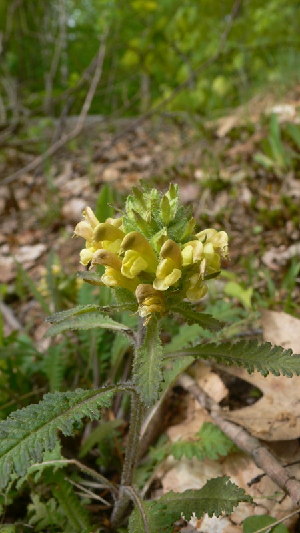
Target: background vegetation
x=153, y=47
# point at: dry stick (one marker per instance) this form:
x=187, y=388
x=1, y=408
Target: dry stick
x=86, y=469
x=279, y=521
x=262, y=457
x=79, y=125
x=88, y=492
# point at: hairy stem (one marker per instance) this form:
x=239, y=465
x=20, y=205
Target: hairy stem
x=131, y=452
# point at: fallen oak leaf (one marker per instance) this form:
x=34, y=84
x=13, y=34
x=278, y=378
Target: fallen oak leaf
x=275, y=416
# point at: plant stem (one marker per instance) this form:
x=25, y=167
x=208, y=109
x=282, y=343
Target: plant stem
x=131, y=452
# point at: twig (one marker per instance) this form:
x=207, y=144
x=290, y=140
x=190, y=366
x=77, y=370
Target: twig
x=79, y=125
x=258, y=478
x=86, y=469
x=262, y=457
x=88, y=492
x=279, y=521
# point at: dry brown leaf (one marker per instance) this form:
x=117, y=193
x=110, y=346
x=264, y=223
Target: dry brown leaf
x=72, y=210
x=6, y=269
x=276, y=257
x=27, y=255
x=196, y=415
x=275, y=416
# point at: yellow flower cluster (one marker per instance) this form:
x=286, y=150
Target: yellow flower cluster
x=132, y=262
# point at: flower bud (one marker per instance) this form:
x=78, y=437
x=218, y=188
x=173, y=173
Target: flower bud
x=149, y=300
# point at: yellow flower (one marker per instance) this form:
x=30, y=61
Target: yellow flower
x=86, y=256
x=109, y=235
x=114, y=278
x=218, y=239
x=192, y=252
x=168, y=271
x=196, y=289
x=139, y=255
x=86, y=227
x=98, y=235
x=212, y=259
x=112, y=275
x=149, y=300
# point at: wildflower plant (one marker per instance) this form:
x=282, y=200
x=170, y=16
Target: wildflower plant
x=157, y=263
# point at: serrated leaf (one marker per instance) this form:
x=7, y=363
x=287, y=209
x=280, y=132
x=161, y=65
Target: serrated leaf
x=78, y=310
x=174, y=367
x=203, y=319
x=211, y=443
x=87, y=320
x=218, y=496
x=27, y=433
x=148, y=368
x=264, y=358
x=185, y=336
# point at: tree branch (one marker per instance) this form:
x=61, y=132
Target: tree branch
x=262, y=457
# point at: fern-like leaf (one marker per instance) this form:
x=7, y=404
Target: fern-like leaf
x=192, y=316
x=249, y=354
x=76, y=513
x=147, y=371
x=31, y=431
x=54, y=366
x=210, y=443
x=219, y=495
x=86, y=320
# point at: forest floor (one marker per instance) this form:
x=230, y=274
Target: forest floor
x=240, y=173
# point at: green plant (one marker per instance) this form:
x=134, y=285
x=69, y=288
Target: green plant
x=154, y=264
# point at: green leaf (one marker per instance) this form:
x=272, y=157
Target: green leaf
x=76, y=514
x=148, y=366
x=249, y=354
x=101, y=432
x=27, y=433
x=204, y=320
x=32, y=287
x=234, y=289
x=85, y=320
x=185, y=336
x=172, y=368
x=211, y=443
x=103, y=204
x=255, y=523
x=79, y=310
x=293, y=131
x=218, y=496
